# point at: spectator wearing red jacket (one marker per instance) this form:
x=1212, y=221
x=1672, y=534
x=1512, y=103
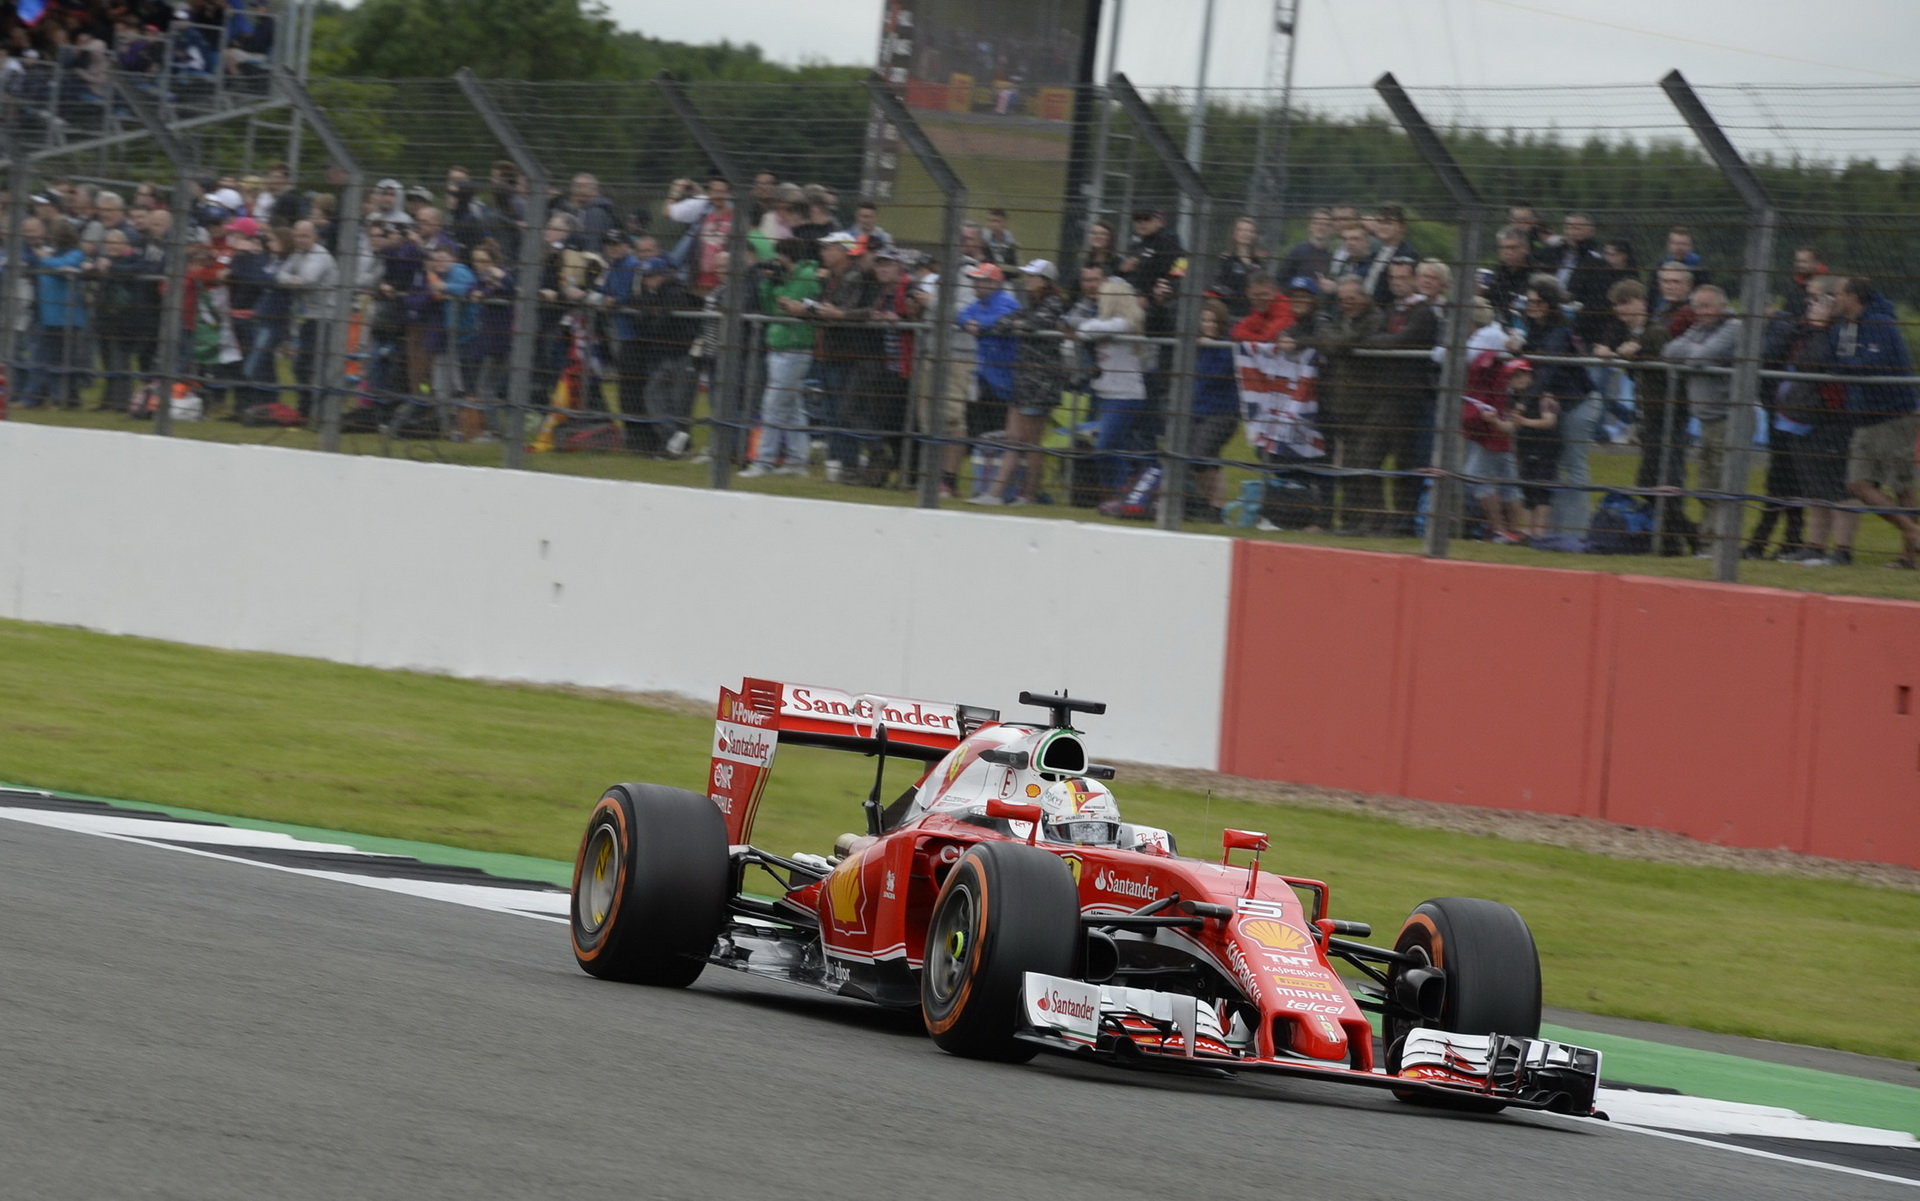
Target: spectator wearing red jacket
x=1486, y=418
x=1268, y=312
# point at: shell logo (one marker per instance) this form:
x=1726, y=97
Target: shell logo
x=1275, y=936
x=844, y=893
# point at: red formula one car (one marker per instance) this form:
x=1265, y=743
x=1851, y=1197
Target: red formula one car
x=1003, y=895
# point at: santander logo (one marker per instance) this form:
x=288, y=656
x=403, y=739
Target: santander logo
x=1114, y=882
x=1068, y=1007
x=742, y=744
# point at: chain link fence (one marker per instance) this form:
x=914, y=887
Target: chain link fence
x=1673, y=324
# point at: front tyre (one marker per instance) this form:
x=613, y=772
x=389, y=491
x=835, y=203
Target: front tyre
x=1492, y=979
x=650, y=886
x=1005, y=910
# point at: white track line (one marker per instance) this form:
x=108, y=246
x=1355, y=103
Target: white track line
x=1739, y=1150
x=546, y=906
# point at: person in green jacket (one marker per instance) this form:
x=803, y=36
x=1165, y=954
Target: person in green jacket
x=784, y=292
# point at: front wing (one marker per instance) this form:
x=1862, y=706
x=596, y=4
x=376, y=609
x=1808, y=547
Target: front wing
x=1175, y=1030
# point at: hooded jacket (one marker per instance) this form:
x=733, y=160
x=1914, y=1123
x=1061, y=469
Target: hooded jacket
x=1872, y=345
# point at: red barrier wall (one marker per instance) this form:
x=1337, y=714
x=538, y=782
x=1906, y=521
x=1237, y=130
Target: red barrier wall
x=1744, y=716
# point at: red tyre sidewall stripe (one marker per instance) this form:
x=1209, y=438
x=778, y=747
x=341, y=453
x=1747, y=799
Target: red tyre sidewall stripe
x=608, y=804
x=958, y=1008
x=1435, y=943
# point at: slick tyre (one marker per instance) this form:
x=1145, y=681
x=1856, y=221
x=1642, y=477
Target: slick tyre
x=650, y=886
x=1005, y=910
x=1492, y=978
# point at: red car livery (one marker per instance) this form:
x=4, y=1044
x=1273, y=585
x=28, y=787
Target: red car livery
x=1005, y=896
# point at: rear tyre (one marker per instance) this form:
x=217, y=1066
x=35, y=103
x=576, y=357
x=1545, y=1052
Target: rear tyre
x=650, y=886
x=1005, y=910
x=1492, y=979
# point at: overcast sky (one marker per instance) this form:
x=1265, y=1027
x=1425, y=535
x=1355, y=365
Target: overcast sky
x=1790, y=45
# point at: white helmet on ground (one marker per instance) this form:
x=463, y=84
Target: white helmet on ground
x=1080, y=811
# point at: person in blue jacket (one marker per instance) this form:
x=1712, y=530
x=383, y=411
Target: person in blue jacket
x=62, y=312
x=997, y=346
x=1865, y=340
x=1216, y=411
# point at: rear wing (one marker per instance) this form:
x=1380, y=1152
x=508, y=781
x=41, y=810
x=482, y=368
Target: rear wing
x=753, y=721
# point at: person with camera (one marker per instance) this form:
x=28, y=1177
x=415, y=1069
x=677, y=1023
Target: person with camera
x=708, y=217
x=849, y=352
x=62, y=317
x=128, y=300
x=785, y=284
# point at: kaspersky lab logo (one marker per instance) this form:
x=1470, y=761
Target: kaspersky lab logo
x=1113, y=882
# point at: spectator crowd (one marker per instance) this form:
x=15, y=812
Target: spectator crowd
x=56, y=56
x=1325, y=356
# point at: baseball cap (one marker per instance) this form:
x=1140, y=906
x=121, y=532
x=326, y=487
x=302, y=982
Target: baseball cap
x=844, y=239
x=42, y=198
x=659, y=264
x=246, y=227
x=986, y=271
x=1043, y=268
x=889, y=254
x=208, y=214
x=1147, y=214
x=1302, y=283
x=387, y=185
x=614, y=235
x=228, y=199
x=416, y=192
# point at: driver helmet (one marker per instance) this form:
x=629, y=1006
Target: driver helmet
x=1080, y=811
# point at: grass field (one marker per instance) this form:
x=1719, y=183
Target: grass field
x=515, y=769
x=1875, y=545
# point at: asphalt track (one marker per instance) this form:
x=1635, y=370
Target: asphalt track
x=176, y=1025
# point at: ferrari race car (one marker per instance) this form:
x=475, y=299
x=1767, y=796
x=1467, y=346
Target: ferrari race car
x=1004, y=896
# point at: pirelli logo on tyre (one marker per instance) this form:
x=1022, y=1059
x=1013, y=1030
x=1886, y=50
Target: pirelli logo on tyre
x=1275, y=936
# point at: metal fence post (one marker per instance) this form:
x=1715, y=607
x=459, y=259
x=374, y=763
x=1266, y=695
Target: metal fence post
x=330, y=359
x=171, y=314
x=1180, y=372
x=1762, y=220
x=954, y=213
x=526, y=293
x=729, y=412
x=1449, y=440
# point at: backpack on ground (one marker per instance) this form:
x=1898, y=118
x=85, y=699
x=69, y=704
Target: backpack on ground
x=271, y=413
x=1621, y=525
x=577, y=434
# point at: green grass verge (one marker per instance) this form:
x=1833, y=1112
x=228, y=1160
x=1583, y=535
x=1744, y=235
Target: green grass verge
x=514, y=769
x=1875, y=545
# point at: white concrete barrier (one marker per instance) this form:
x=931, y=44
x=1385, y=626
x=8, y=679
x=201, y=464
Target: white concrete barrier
x=519, y=575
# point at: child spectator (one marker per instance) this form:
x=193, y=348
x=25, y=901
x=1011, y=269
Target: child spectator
x=1536, y=419
x=1486, y=419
